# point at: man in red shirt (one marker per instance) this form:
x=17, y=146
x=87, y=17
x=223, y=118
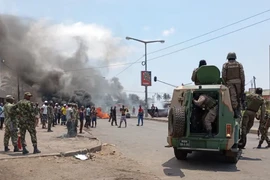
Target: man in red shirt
x=140, y=116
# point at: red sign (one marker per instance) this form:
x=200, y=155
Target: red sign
x=146, y=79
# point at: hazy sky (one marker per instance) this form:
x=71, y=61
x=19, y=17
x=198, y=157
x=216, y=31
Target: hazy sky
x=173, y=21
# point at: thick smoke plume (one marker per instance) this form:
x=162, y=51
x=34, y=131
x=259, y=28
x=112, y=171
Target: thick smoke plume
x=47, y=59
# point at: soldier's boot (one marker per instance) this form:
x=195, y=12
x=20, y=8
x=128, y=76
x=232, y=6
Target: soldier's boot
x=25, y=151
x=36, y=151
x=6, y=149
x=259, y=145
x=209, y=134
x=16, y=149
x=268, y=145
x=49, y=130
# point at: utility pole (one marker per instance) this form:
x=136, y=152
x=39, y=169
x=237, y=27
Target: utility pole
x=254, y=81
x=269, y=74
x=18, y=88
x=145, y=65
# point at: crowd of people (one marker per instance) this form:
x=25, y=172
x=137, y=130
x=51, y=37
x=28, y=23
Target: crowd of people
x=26, y=116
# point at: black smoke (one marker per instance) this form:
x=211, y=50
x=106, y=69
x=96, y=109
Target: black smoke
x=50, y=74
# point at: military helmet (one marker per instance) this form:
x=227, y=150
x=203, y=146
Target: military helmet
x=258, y=91
x=231, y=55
x=202, y=63
x=10, y=97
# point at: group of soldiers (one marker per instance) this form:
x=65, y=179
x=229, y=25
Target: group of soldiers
x=19, y=118
x=24, y=115
x=233, y=77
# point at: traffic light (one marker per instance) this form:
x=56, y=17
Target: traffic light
x=155, y=78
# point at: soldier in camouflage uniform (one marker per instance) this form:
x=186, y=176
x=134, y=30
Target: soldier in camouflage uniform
x=209, y=104
x=263, y=128
x=76, y=114
x=27, y=121
x=254, y=103
x=50, y=114
x=233, y=76
x=11, y=125
x=194, y=73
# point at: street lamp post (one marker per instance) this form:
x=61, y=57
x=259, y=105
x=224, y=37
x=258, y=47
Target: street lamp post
x=145, y=65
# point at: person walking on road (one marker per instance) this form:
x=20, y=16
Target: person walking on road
x=94, y=117
x=263, y=128
x=254, y=103
x=114, y=116
x=81, y=118
x=140, y=116
x=111, y=110
x=123, y=111
x=50, y=116
x=87, y=117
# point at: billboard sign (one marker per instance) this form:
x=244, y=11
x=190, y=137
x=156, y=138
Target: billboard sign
x=146, y=78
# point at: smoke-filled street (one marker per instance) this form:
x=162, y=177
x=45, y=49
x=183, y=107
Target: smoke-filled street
x=75, y=74
x=146, y=145
x=59, y=66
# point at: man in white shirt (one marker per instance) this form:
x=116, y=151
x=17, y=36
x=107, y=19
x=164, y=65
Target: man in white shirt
x=44, y=114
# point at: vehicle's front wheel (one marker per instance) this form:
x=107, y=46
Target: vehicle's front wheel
x=180, y=154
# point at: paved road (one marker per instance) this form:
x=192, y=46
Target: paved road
x=146, y=145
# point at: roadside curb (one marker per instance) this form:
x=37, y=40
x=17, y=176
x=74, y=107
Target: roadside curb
x=93, y=149
x=252, y=131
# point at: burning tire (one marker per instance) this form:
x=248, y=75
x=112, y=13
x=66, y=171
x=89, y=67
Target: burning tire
x=177, y=122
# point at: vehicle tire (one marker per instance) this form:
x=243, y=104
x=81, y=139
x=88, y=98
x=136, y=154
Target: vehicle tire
x=170, y=122
x=234, y=159
x=180, y=154
x=179, y=122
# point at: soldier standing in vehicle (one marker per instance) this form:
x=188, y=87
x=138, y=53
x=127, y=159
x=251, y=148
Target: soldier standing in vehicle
x=233, y=76
x=263, y=128
x=209, y=104
x=194, y=73
x=11, y=125
x=254, y=103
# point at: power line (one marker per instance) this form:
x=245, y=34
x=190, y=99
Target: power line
x=129, y=66
x=202, y=35
x=203, y=42
x=217, y=37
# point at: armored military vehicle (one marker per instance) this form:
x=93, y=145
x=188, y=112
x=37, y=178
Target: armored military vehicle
x=186, y=131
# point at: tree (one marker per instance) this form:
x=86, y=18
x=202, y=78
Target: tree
x=159, y=97
x=166, y=96
x=9, y=84
x=134, y=99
